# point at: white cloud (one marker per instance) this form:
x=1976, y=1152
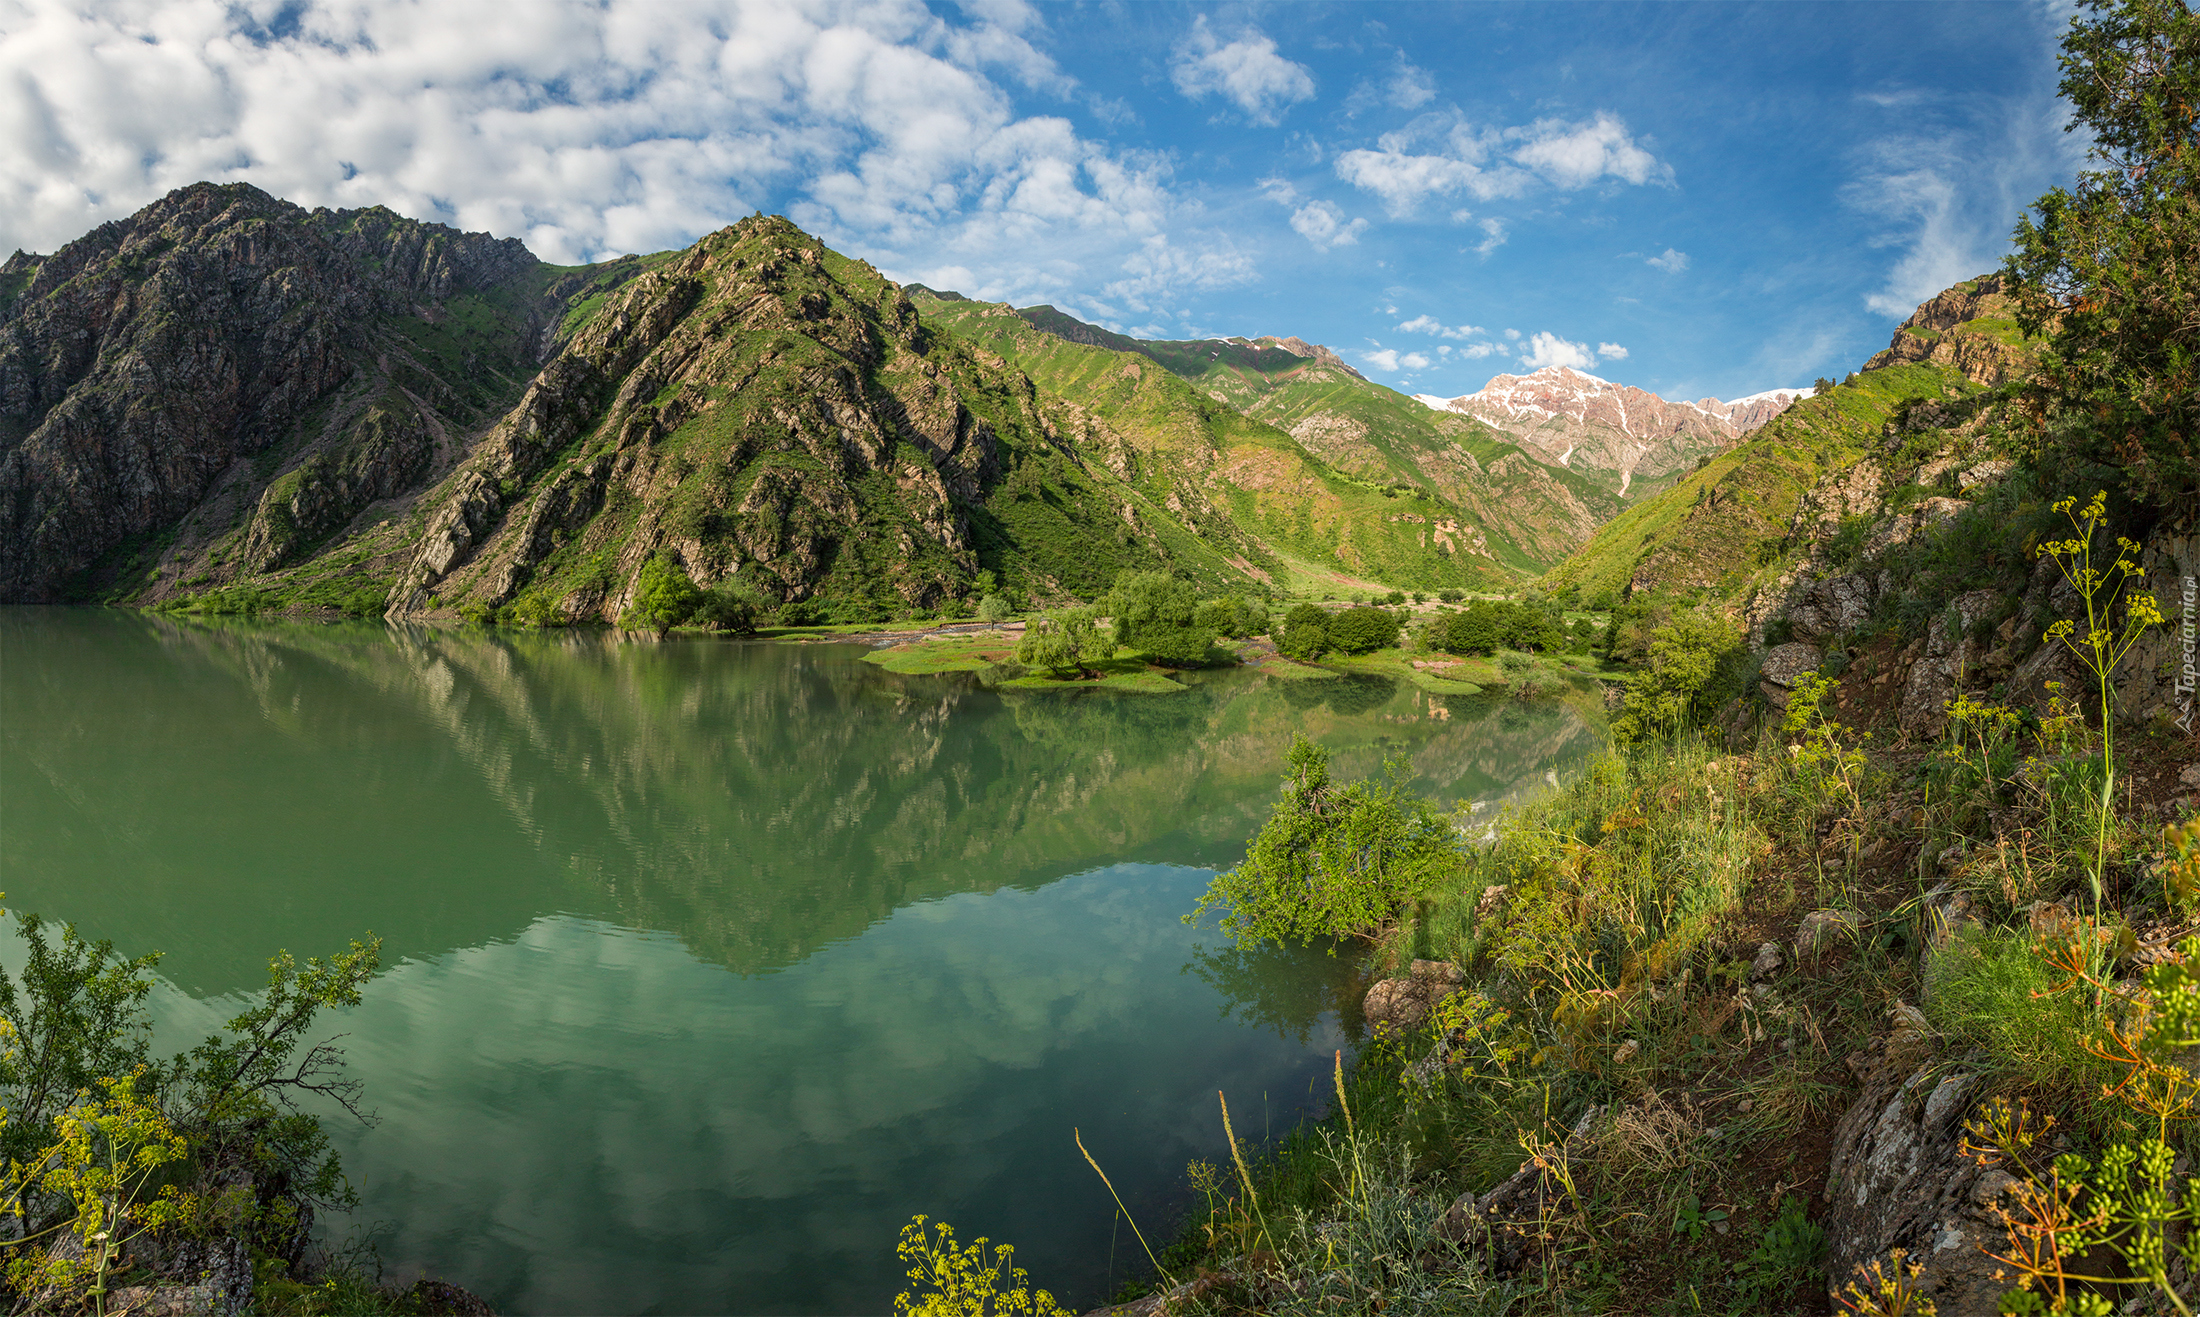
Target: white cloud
x=1494, y=235
x=593, y=127
x=1247, y=71
x=1672, y=262
x=1547, y=349
x=1392, y=360
x=1477, y=351
x=1325, y=226
x=1574, y=155
x=1443, y=155
x=1431, y=325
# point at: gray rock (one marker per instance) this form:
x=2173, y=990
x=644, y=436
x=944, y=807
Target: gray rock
x=1402, y=1004
x=1822, y=932
x=1767, y=964
x=1899, y=1178
x=1784, y=666
x=1828, y=608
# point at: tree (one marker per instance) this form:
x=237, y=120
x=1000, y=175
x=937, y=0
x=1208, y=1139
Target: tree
x=1304, y=634
x=731, y=605
x=1160, y=615
x=2111, y=269
x=1690, y=669
x=1331, y=861
x=993, y=608
x=1363, y=630
x=1063, y=643
x=664, y=597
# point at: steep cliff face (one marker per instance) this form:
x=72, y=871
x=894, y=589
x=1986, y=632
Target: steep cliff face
x=1615, y=433
x=193, y=348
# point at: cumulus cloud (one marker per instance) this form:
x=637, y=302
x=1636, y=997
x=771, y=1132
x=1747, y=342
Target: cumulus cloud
x=1325, y=226
x=1391, y=360
x=1247, y=71
x=1477, y=351
x=1672, y=262
x=592, y=128
x=1431, y=325
x=1444, y=155
x=1547, y=349
x=1493, y=237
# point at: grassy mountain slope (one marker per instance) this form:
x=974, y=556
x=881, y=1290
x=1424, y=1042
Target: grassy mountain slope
x=1723, y=526
x=1191, y=452
x=1530, y=512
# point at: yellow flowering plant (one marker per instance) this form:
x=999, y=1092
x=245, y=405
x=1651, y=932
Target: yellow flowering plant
x=2105, y=641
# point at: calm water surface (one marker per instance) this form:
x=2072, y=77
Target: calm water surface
x=711, y=963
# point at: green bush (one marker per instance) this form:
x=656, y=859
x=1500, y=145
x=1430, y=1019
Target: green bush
x=664, y=597
x=1693, y=667
x=1451, y=596
x=1484, y=627
x=1331, y=862
x=1160, y=616
x=731, y=605
x=1363, y=630
x=1063, y=643
x=993, y=608
x=800, y=612
x=1304, y=634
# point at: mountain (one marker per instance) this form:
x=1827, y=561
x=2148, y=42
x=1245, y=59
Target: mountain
x=230, y=398
x=1528, y=512
x=1624, y=438
x=1743, y=525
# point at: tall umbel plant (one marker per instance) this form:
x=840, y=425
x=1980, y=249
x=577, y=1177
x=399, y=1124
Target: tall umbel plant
x=2105, y=640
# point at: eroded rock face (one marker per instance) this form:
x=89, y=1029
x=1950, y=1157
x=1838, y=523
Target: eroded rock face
x=1954, y=657
x=1829, y=608
x=138, y=363
x=1970, y=327
x=1784, y=666
x=1899, y=1178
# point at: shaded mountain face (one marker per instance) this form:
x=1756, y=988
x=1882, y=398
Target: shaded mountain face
x=146, y=367
x=1625, y=438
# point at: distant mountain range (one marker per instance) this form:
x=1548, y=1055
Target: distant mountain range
x=232, y=398
x=1613, y=432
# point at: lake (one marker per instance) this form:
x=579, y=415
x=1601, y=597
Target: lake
x=709, y=963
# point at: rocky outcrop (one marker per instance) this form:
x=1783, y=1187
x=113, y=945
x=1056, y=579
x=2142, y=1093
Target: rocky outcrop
x=1783, y=667
x=1900, y=1179
x=142, y=361
x=1970, y=327
x=1954, y=657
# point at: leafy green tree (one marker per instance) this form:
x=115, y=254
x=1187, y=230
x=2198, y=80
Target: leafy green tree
x=1363, y=630
x=1161, y=616
x=74, y=1015
x=993, y=608
x=1332, y=861
x=664, y=597
x=732, y=604
x=1063, y=643
x=1692, y=668
x=1304, y=634
x=2111, y=268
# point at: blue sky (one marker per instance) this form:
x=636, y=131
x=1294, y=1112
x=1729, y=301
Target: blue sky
x=1695, y=198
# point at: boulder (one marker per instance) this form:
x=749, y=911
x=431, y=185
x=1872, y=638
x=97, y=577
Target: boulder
x=1899, y=1178
x=1767, y=964
x=1402, y=1004
x=1784, y=666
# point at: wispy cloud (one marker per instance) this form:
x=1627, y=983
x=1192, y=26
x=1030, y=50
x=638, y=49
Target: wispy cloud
x=1325, y=226
x=1392, y=360
x=1426, y=324
x=1672, y=262
x=1247, y=71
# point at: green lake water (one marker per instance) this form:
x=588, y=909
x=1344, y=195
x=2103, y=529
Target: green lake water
x=711, y=963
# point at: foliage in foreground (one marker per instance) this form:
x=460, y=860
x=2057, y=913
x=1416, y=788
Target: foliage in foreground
x=102, y=1145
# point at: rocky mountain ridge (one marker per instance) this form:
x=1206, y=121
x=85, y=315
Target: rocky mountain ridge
x=1570, y=418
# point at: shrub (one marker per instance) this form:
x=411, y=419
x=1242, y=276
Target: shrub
x=1304, y=634
x=800, y=612
x=1331, y=862
x=1161, y=616
x=664, y=597
x=1063, y=643
x=1395, y=597
x=1484, y=627
x=1693, y=667
x=1451, y=596
x=1363, y=630
x=731, y=605
x=993, y=608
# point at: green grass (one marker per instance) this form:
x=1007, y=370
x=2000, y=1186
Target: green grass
x=944, y=654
